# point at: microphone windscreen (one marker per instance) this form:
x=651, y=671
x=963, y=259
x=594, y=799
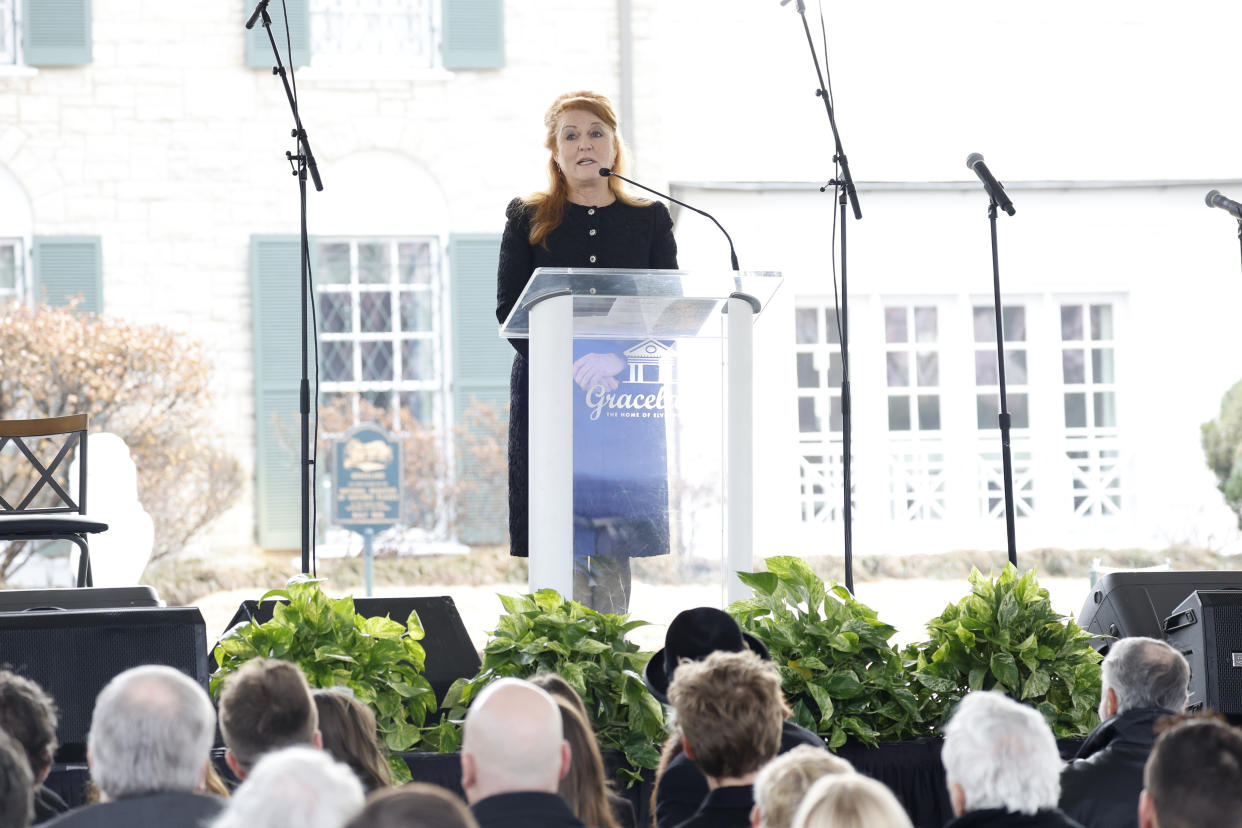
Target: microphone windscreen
x=1212, y=194
x=605, y=172
x=972, y=159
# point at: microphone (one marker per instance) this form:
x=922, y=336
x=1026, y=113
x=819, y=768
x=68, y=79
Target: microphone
x=605, y=172
x=974, y=161
x=254, y=15
x=1215, y=199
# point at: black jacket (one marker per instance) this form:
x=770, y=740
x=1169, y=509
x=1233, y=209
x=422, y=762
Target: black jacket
x=527, y=809
x=682, y=788
x=1100, y=786
x=997, y=818
x=169, y=810
x=724, y=808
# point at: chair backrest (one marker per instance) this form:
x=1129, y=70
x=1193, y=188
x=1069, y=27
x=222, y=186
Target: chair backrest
x=39, y=472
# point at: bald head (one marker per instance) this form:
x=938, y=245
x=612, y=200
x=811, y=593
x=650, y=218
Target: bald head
x=512, y=741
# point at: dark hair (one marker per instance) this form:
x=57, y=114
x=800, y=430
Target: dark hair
x=414, y=805
x=349, y=734
x=28, y=715
x=585, y=787
x=16, y=785
x=1194, y=774
x=266, y=705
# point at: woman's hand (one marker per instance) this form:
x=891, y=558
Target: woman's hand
x=591, y=370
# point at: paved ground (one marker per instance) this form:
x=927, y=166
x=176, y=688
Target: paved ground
x=906, y=604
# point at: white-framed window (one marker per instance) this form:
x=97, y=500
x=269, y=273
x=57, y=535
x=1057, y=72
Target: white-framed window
x=991, y=496
x=379, y=325
x=817, y=350
x=401, y=34
x=917, y=468
x=12, y=257
x=1089, y=395
x=8, y=32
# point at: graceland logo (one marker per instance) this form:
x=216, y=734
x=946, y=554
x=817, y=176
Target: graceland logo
x=648, y=361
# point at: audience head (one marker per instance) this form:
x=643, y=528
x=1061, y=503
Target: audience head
x=782, y=783
x=298, y=786
x=1000, y=754
x=1193, y=777
x=350, y=736
x=266, y=705
x=414, y=805
x=730, y=711
x=16, y=785
x=28, y=714
x=1142, y=672
x=850, y=800
x=560, y=689
x=692, y=636
x=512, y=712
x=151, y=731
x=585, y=786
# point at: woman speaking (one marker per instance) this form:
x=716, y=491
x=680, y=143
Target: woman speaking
x=585, y=220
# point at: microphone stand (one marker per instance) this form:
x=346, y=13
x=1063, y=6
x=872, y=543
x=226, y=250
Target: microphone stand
x=844, y=184
x=1006, y=457
x=303, y=161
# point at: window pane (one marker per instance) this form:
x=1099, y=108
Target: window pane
x=831, y=326
x=420, y=405
x=806, y=326
x=1015, y=367
x=808, y=422
x=1019, y=410
x=335, y=313
x=925, y=324
x=376, y=361
x=929, y=412
x=1101, y=321
x=1071, y=323
x=8, y=267
x=1073, y=369
x=985, y=368
x=987, y=407
x=373, y=266
x=985, y=324
x=415, y=310
x=808, y=377
x=336, y=361
x=376, y=405
x=1102, y=364
x=929, y=369
x=899, y=413
x=835, y=422
x=416, y=360
x=375, y=311
x=1105, y=409
x=895, y=325
x=332, y=264
x=414, y=263
x=1075, y=410
x=834, y=370
x=1015, y=323
x=898, y=370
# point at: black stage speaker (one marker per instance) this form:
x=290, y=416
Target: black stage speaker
x=1123, y=604
x=20, y=600
x=1207, y=629
x=73, y=653
x=450, y=653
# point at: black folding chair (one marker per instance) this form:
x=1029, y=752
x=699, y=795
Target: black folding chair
x=44, y=510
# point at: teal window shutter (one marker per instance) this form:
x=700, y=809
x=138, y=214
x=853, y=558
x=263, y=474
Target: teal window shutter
x=276, y=307
x=481, y=363
x=259, y=48
x=473, y=34
x=56, y=32
x=66, y=267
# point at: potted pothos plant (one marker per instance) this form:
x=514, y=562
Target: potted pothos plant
x=379, y=659
x=544, y=632
x=1005, y=636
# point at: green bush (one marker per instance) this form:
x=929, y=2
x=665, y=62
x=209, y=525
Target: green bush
x=1005, y=636
x=1222, y=447
x=544, y=632
x=839, y=672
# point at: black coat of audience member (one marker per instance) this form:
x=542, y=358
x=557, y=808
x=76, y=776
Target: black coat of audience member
x=527, y=809
x=683, y=787
x=169, y=809
x=47, y=805
x=1100, y=786
x=1000, y=818
x=724, y=808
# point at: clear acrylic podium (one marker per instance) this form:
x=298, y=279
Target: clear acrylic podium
x=682, y=343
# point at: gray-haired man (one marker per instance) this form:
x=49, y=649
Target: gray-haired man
x=1143, y=680
x=148, y=749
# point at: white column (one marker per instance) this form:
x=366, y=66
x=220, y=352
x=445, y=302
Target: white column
x=739, y=446
x=551, y=444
